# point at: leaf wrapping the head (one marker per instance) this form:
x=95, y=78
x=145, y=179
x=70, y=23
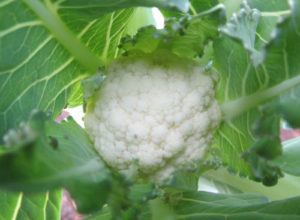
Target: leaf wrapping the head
x=60, y=156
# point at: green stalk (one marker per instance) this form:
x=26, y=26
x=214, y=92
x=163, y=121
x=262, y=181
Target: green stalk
x=52, y=21
x=236, y=107
x=287, y=187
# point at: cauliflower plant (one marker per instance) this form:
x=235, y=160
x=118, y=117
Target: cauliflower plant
x=158, y=112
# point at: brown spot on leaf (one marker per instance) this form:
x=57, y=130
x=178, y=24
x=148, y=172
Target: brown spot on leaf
x=53, y=142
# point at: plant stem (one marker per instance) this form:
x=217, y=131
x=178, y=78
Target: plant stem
x=236, y=107
x=52, y=21
x=287, y=187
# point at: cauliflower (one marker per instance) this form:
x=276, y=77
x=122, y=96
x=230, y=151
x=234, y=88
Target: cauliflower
x=159, y=113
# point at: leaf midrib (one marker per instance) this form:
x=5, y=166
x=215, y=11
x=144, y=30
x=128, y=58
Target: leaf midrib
x=55, y=25
x=236, y=107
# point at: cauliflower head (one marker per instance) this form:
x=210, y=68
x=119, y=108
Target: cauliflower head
x=159, y=113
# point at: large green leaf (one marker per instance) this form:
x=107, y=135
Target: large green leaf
x=203, y=205
x=49, y=46
x=249, y=86
x=37, y=70
x=61, y=156
x=25, y=206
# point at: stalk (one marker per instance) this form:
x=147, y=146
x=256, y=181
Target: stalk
x=47, y=13
x=237, y=107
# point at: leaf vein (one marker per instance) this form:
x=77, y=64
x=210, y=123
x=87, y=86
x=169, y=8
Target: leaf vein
x=38, y=81
x=45, y=205
x=64, y=88
x=19, y=26
x=86, y=28
x=228, y=140
x=18, y=206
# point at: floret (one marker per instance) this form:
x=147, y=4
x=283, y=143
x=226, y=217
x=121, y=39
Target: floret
x=162, y=115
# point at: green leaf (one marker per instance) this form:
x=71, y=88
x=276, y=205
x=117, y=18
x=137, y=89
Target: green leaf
x=36, y=71
x=203, y=205
x=22, y=206
x=253, y=27
x=242, y=87
x=61, y=156
x=289, y=106
x=143, y=41
x=103, y=6
x=266, y=148
x=243, y=27
x=289, y=162
x=195, y=8
x=187, y=179
x=185, y=36
x=192, y=43
x=287, y=187
x=76, y=96
x=270, y=13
